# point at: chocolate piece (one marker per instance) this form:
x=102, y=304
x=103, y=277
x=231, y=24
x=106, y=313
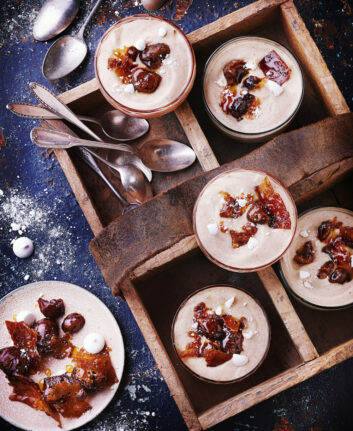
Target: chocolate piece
x=305, y=254
x=73, y=323
x=216, y=357
x=347, y=235
x=132, y=53
x=153, y=55
x=241, y=105
x=251, y=82
x=48, y=333
x=231, y=208
x=53, y=309
x=274, y=68
x=145, y=81
x=234, y=71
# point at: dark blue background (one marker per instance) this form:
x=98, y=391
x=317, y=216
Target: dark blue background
x=36, y=195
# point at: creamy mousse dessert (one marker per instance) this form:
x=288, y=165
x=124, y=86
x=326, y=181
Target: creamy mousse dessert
x=221, y=334
x=244, y=220
x=61, y=356
x=145, y=66
x=252, y=87
x=318, y=267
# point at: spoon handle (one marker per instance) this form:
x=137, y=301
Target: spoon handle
x=51, y=102
x=87, y=20
x=45, y=138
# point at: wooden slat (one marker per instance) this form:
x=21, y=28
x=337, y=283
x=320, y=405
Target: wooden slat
x=311, y=59
x=196, y=137
x=82, y=90
x=241, y=20
x=288, y=315
x=273, y=386
x=164, y=363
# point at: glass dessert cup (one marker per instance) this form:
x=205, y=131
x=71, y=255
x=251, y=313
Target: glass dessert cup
x=220, y=244
x=258, y=344
x=164, y=107
x=227, y=125
x=320, y=294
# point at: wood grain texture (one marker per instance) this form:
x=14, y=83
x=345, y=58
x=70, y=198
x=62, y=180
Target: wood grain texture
x=164, y=363
x=288, y=315
x=196, y=137
x=278, y=384
x=311, y=59
x=165, y=220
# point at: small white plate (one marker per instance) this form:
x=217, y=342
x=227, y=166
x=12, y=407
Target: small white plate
x=98, y=319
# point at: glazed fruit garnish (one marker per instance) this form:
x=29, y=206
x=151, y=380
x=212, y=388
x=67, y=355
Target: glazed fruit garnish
x=305, y=254
x=73, y=323
x=234, y=71
x=53, y=309
x=265, y=207
x=232, y=207
x=252, y=82
x=238, y=105
x=222, y=333
x=95, y=372
x=339, y=242
x=153, y=55
x=65, y=394
x=274, y=68
x=145, y=81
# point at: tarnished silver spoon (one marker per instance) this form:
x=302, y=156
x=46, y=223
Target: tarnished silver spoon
x=114, y=124
x=54, y=17
x=67, y=53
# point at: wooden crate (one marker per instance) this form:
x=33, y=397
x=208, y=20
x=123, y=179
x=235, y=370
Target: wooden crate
x=298, y=349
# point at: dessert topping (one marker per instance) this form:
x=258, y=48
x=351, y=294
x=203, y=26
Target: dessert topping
x=223, y=335
x=239, y=360
x=235, y=207
x=153, y=55
x=229, y=302
x=162, y=31
x=53, y=309
x=305, y=254
x=140, y=44
x=212, y=228
x=275, y=68
x=339, y=243
x=252, y=82
x=73, y=323
x=275, y=89
x=26, y=316
x=144, y=80
x=234, y=71
x=94, y=343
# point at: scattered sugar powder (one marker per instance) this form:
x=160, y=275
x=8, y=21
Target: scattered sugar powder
x=55, y=245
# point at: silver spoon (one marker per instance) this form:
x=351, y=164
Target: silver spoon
x=67, y=53
x=52, y=103
x=162, y=155
x=131, y=178
x=114, y=124
x=54, y=17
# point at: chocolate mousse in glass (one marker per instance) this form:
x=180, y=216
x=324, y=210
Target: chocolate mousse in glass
x=252, y=88
x=318, y=267
x=145, y=66
x=244, y=220
x=221, y=334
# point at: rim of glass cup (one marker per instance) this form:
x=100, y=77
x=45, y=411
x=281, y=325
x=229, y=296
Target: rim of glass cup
x=230, y=130
x=162, y=110
x=220, y=382
x=234, y=268
x=286, y=283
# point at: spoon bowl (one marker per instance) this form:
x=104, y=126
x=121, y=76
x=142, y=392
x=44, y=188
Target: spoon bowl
x=166, y=155
x=121, y=127
x=54, y=17
x=64, y=56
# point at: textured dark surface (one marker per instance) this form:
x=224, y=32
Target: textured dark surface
x=36, y=199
